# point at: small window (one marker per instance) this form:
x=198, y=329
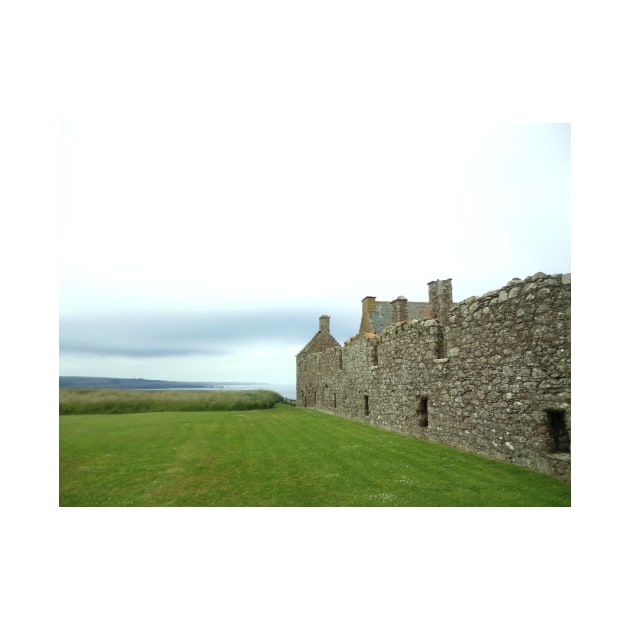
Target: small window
x=558, y=429
x=366, y=405
x=422, y=410
x=373, y=354
x=441, y=349
x=334, y=400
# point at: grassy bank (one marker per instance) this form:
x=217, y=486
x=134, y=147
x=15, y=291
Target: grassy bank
x=97, y=401
x=284, y=456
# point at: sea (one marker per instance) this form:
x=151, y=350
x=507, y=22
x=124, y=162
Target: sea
x=287, y=390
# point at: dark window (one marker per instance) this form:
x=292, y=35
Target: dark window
x=334, y=400
x=441, y=349
x=422, y=409
x=558, y=428
x=366, y=405
x=373, y=354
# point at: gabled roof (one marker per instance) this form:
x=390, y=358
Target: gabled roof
x=321, y=340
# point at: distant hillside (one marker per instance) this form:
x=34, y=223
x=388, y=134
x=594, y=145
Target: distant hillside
x=140, y=383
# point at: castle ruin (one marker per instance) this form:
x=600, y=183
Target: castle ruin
x=490, y=375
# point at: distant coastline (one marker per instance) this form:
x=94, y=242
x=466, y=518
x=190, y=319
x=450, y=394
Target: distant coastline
x=286, y=390
x=143, y=383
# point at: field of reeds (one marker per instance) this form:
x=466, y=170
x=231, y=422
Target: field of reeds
x=74, y=401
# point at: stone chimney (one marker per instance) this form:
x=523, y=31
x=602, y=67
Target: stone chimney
x=368, y=304
x=440, y=298
x=399, y=310
x=324, y=324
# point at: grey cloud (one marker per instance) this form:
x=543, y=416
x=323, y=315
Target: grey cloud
x=186, y=334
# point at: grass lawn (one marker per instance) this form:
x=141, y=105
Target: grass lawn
x=283, y=456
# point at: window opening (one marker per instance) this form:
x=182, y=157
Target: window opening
x=366, y=405
x=559, y=433
x=441, y=349
x=373, y=354
x=422, y=409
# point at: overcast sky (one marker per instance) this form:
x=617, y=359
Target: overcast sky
x=227, y=177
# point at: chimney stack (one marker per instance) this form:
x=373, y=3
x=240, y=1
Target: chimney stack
x=324, y=324
x=399, y=310
x=440, y=298
x=368, y=305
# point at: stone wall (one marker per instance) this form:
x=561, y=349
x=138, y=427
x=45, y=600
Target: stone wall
x=490, y=375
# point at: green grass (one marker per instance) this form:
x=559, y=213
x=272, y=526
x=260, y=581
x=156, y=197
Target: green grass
x=284, y=456
x=94, y=401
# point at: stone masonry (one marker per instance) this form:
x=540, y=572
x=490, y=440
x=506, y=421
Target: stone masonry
x=490, y=375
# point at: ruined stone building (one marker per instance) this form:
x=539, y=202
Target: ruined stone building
x=490, y=375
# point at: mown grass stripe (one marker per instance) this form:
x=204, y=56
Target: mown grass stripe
x=284, y=456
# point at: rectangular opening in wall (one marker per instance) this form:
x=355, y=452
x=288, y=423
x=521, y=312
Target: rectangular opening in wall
x=558, y=427
x=334, y=400
x=441, y=349
x=373, y=354
x=422, y=410
x=366, y=405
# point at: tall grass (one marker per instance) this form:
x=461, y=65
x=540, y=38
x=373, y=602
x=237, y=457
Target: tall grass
x=97, y=401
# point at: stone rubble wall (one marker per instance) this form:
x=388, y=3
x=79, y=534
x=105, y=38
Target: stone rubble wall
x=483, y=379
